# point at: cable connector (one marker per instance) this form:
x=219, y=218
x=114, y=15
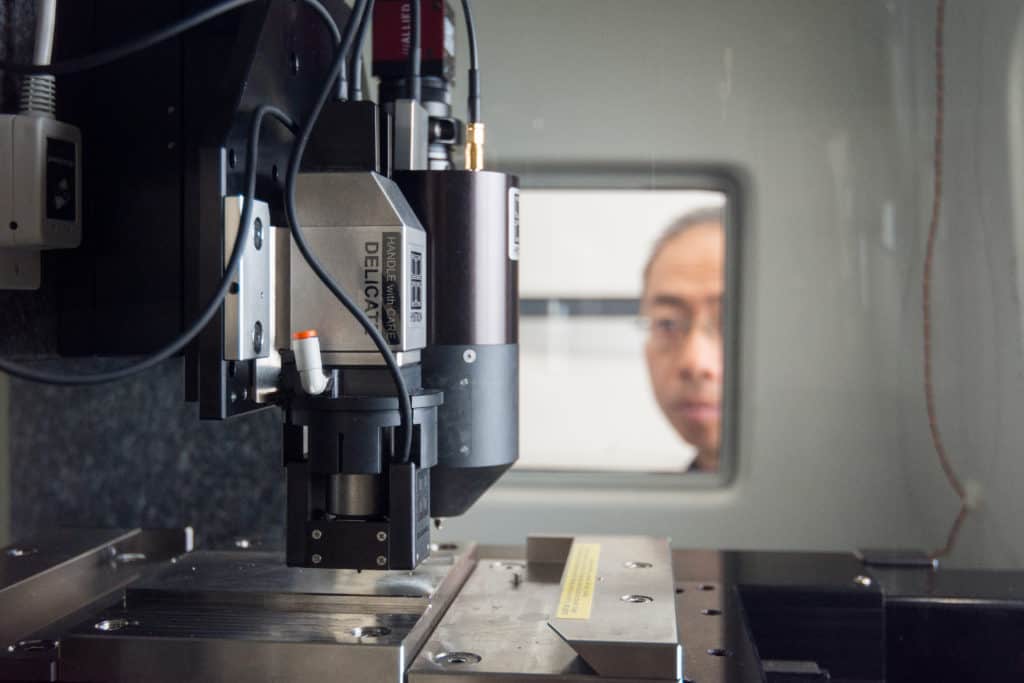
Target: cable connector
x=475, y=146
x=306, y=347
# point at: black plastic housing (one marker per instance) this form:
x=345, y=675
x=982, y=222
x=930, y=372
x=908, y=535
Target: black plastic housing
x=472, y=355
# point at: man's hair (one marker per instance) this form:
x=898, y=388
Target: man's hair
x=691, y=219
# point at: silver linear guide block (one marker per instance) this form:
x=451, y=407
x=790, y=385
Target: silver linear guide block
x=363, y=232
x=248, y=308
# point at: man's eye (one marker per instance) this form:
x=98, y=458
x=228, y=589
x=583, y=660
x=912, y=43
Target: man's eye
x=666, y=325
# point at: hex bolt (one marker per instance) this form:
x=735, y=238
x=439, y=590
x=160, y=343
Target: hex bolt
x=317, y=534
x=381, y=560
x=382, y=536
x=317, y=559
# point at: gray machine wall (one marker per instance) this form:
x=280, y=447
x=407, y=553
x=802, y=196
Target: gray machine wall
x=979, y=359
x=828, y=107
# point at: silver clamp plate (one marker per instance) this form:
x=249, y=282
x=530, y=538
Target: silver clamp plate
x=248, y=322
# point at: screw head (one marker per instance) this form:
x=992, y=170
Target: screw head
x=381, y=560
x=317, y=559
x=469, y=355
x=21, y=551
x=257, y=337
x=382, y=536
x=257, y=233
x=862, y=580
x=317, y=534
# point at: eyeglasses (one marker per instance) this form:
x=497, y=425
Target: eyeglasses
x=670, y=331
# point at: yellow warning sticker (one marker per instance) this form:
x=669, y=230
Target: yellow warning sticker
x=578, y=581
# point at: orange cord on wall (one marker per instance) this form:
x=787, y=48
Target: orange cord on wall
x=933, y=228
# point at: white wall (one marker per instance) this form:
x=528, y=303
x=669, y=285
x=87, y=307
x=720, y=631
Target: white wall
x=827, y=108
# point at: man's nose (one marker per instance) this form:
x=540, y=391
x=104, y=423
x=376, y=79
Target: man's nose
x=696, y=356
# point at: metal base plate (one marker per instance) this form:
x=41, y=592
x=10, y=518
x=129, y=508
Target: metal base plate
x=247, y=616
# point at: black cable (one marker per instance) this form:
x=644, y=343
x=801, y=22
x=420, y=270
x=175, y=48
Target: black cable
x=211, y=308
x=357, y=54
x=113, y=54
x=415, y=53
x=339, y=69
x=404, y=403
x=473, y=101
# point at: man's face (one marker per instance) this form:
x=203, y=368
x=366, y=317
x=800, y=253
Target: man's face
x=683, y=301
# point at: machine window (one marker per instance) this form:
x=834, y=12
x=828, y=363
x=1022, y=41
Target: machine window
x=623, y=303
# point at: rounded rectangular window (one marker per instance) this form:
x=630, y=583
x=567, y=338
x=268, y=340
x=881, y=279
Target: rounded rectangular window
x=627, y=327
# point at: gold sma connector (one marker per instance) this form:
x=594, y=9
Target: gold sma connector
x=475, y=146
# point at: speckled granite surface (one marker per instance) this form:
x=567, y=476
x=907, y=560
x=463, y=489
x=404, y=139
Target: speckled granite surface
x=134, y=454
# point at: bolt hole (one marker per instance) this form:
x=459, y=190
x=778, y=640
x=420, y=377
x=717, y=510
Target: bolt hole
x=448, y=546
x=706, y=587
x=718, y=652
x=129, y=558
x=510, y=566
x=680, y=591
x=233, y=288
x=638, y=599
x=232, y=158
x=458, y=658
x=370, y=631
x=232, y=368
x=34, y=645
x=274, y=173
x=114, y=624
x=711, y=612
x=13, y=225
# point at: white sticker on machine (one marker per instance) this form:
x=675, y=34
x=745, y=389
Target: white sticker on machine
x=513, y=223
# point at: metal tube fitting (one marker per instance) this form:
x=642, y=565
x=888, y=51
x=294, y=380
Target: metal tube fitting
x=475, y=146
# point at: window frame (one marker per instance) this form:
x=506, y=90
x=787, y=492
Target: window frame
x=717, y=178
